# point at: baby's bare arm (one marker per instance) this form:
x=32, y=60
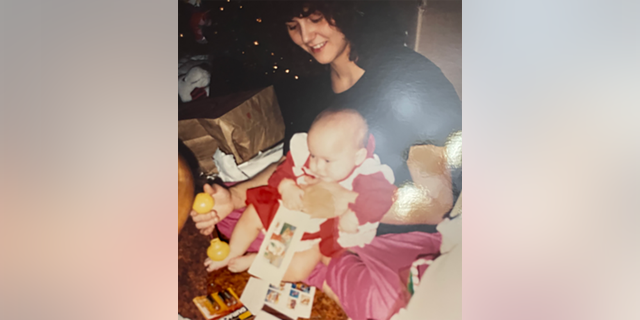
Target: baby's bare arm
x=291, y=194
x=327, y=199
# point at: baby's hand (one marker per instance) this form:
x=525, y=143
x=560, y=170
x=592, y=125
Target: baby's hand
x=291, y=194
x=348, y=222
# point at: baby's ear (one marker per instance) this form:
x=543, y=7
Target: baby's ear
x=361, y=155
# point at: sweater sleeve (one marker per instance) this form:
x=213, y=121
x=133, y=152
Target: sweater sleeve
x=375, y=197
x=284, y=171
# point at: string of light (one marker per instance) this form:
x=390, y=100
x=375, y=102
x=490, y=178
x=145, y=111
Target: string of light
x=256, y=43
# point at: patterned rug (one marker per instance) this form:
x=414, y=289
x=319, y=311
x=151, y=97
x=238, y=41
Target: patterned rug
x=193, y=279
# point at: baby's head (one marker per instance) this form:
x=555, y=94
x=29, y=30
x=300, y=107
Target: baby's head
x=337, y=142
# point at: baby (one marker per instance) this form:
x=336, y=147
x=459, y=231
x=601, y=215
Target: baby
x=337, y=149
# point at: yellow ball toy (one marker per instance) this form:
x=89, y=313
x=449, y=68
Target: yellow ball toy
x=203, y=203
x=218, y=250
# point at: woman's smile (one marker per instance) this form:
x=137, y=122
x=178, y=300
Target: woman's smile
x=318, y=47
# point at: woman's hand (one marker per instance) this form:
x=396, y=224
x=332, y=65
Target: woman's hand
x=222, y=208
x=326, y=199
x=291, y=194
x=348, y=222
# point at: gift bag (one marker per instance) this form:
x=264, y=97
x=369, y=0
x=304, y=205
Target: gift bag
x=241, y=124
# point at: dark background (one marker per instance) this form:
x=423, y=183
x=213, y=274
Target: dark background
x=237, y=64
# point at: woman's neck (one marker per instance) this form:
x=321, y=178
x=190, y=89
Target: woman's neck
x=344, y=73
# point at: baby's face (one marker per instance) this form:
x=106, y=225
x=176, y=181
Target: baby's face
x=333, y=156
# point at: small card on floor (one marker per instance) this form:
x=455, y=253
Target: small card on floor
x=291, y=299
x=279, y=245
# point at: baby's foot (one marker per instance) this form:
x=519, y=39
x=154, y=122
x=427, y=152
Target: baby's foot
x=242, y=263
x=215, y=265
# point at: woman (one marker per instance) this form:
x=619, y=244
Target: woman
x=406, y=100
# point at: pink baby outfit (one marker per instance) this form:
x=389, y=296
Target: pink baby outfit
x=372, y=181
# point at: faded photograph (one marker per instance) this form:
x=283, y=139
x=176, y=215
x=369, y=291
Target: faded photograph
x=349, y=112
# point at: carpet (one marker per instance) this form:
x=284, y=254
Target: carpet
x=193, y=279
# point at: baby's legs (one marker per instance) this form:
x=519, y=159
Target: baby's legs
x=300, y=268
x=302, y=264
x=246, y=230
x=240, y=264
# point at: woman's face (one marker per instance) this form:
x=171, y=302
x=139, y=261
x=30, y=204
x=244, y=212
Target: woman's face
x=318, y=37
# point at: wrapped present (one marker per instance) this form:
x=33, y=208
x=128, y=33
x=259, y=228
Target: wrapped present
x=242, y=124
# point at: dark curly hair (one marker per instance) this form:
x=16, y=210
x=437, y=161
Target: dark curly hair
x=359, y=21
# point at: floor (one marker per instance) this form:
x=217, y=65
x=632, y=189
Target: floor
x=193, y=279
